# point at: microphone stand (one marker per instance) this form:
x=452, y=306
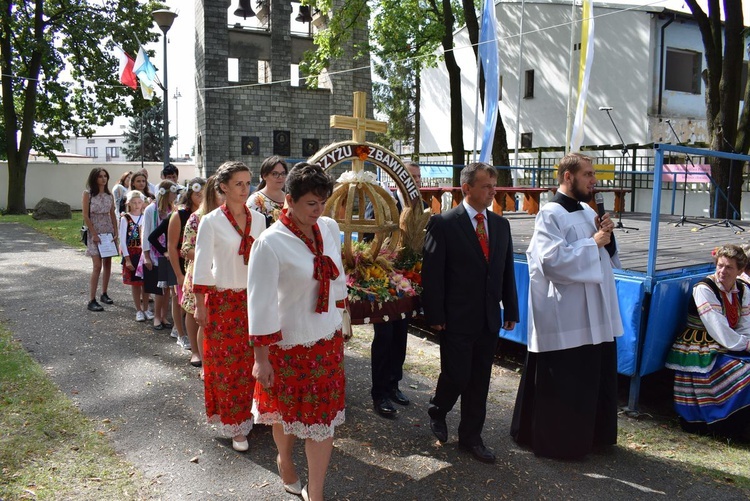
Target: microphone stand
x=683, y=220
x=726, y=222
x=623, y=152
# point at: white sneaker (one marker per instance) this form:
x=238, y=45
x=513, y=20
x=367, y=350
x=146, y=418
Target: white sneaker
x=148, y=314
x=139, y=316
x=184, y=342
x=175, y=333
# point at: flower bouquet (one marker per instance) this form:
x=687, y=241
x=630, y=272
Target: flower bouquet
x=385, y=288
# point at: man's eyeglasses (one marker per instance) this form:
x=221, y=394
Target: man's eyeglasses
x=277, y=175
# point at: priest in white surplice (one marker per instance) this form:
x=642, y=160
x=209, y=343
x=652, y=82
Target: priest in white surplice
x=567, y=400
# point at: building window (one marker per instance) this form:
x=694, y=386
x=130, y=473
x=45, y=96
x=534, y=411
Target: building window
x=92, y=152
x=111, y=141
x=683, y=71
x=529, y=84
x=91, y=141
x=526, y=139
x=113, y=152
x=500, y=89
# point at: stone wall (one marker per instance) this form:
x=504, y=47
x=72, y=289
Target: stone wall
x=246, y=108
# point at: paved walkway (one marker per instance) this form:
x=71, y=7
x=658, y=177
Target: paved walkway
x=116, y=369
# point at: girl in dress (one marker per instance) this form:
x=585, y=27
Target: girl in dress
x=191, y=201
x=99, y=217
x=295, y=286
x=222, y=252
x=154, y=214
x=269, y=197
x=211, y=200
x=130, y=247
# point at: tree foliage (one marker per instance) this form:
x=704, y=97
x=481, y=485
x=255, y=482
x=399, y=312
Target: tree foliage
x=59, y=77
x=403, y=38
x=728, y=129
x=153, y=135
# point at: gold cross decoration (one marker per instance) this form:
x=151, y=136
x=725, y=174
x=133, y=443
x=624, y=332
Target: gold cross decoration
x=359, y=124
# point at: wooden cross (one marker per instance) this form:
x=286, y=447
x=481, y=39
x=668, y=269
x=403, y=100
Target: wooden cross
x=359, y=124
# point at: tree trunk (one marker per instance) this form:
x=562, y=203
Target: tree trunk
x=454, y=76
x=17, y=167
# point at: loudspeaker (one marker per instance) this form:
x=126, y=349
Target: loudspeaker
x=250, y=145
x=310, y=147
x=281, y=143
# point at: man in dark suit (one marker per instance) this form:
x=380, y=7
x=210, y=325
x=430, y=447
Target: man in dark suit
x=467, y=272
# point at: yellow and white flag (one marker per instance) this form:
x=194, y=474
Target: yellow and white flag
x=584, y=73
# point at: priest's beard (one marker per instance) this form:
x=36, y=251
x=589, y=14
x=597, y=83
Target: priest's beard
x=579, y=194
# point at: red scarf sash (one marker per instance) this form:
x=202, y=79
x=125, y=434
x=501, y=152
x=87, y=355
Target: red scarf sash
x=324, y=269
x=246, y=241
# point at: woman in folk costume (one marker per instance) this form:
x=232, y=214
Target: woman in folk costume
x=297, y=281
x=222, y=252
x=711, y=358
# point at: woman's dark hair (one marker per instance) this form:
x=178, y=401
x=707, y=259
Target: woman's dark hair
x=226, y=170
x=307, y=178
x=92, y=184
x=267, y=167
x=146, y=189
x=123, y=178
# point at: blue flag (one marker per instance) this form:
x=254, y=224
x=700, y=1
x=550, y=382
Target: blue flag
x=489, y=57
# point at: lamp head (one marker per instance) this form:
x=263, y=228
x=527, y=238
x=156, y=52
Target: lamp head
x=164, y=19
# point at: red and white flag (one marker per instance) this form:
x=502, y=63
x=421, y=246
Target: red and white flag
x=125, y=72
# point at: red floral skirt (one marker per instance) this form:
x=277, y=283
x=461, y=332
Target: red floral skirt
x=129, y=277
x=307, y=396
x=228, y=363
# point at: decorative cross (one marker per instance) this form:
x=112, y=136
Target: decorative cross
x=359, y=124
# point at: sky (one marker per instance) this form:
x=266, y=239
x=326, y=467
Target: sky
x=181, y=63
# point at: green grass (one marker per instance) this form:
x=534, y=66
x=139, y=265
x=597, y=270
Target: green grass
x=48, y=448
x=65, y=230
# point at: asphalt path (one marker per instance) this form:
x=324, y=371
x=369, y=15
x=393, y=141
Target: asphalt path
x=140, y=381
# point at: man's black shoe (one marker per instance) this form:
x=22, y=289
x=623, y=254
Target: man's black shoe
x=399, y=397
x=104, y=298
x=438, y=425
x=480, y=452
x=385, y=408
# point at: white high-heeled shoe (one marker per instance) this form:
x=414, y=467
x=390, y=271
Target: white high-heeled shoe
x=294, y=488
x=305, y=495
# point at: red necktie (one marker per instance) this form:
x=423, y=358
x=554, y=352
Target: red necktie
x=482, y=236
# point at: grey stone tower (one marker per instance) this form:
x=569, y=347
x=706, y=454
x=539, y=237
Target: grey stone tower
x=263, y=113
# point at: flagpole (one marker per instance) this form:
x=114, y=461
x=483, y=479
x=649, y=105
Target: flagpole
x=142, y=145
x=568, y=117
x=518, y=95
x=476, y=104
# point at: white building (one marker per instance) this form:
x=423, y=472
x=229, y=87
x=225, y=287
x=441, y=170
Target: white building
x=104, y=146
x=647, y=67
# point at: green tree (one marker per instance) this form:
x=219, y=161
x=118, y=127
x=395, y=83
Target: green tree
x=404, y=37
x=429, y=22
x=727, y=128
x=153, y=134
x=59, y=76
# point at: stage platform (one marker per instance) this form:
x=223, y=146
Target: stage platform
x=653, y=307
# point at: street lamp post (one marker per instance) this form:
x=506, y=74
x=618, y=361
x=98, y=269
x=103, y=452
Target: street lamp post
x=176, y=96
x=164, y=19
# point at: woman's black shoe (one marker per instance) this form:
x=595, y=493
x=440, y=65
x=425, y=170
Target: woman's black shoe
x=104, y=298
x=94, y=306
